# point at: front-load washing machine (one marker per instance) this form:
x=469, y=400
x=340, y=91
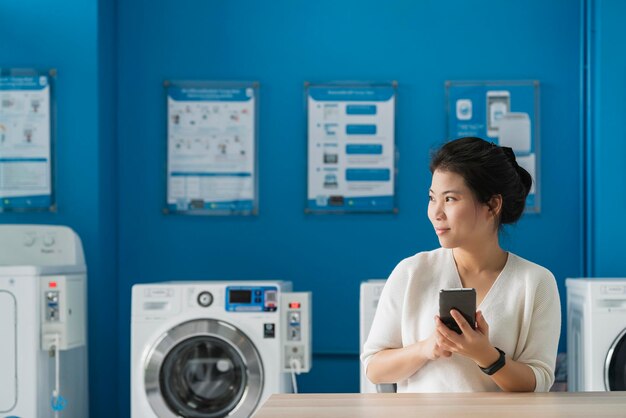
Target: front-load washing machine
x=215, y=349
x=596, y=334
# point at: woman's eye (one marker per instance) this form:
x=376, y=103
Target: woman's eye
x=450, y=199
x=430, y=198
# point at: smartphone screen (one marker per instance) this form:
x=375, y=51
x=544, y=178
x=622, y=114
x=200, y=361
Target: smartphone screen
x=463, y=300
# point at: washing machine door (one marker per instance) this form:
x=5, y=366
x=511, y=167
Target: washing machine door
x=204, y=369
x=615, y=366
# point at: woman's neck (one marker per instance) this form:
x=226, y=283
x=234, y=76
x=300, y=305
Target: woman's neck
x=487, y=256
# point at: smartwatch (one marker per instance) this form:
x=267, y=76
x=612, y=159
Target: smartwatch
x=500, y=362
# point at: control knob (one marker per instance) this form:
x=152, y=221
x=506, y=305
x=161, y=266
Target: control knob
x=205, y=299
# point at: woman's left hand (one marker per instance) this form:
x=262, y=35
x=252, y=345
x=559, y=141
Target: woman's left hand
x=473, y=343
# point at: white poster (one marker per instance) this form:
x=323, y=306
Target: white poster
x=211, y=148
x=351, y=148
x=25, y=138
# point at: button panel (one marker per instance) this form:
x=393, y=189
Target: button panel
x=52, y=306
x=296, y=334
x=293, y=326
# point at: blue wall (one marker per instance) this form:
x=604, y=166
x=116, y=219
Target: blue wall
x=284, y=43
x=112, y=58
x=66, y=36
x=606, y=137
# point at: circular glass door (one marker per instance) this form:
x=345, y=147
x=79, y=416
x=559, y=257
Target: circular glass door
x=204, y=369
x=615, y=367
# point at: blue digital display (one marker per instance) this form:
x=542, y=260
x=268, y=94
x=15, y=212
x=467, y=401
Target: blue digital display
x=251, y=298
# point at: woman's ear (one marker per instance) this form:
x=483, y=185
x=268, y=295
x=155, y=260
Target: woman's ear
x=495, y=205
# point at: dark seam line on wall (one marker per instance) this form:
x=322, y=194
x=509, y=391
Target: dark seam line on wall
x=582, y=134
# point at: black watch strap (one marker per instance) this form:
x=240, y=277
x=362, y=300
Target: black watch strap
x=500, y=362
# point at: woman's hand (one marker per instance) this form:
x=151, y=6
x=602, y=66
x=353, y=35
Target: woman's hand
x=473, y=343
x=395, y=364
x=431, y=349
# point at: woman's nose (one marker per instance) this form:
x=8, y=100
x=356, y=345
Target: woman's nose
x=435, y=211
x=439, y=213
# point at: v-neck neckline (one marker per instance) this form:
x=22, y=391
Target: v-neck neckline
x=502, y=274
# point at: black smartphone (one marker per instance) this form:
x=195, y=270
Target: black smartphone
x=461, y=299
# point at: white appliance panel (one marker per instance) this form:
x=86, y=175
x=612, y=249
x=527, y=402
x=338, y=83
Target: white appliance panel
x=8, y=352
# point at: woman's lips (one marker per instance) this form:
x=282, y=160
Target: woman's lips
x=441, y=231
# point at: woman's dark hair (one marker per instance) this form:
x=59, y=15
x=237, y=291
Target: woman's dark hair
x=488, y=170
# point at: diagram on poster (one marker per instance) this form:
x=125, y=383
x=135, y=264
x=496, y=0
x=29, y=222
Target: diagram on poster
x=211, y=148
x=503, y=112
x=351, y=148
x=25, y=142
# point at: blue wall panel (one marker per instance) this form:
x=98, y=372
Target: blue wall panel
x=284, y=43
x=64, y=35
x=607, y=138
x=111, y=193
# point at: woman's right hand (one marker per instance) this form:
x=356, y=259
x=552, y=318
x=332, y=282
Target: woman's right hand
x=431, y=348
x=395, y=364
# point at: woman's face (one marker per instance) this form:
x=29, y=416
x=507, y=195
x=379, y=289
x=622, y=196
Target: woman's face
x=459, y=219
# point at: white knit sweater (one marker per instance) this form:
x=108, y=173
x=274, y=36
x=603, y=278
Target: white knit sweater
x=522, y=309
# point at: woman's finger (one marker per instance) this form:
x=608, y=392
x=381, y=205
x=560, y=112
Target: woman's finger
x=445, y=346
x=461, y=321
x=450, y=337
x=481, y=322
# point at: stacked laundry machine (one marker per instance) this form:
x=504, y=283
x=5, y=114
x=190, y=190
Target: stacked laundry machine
x=43, y=353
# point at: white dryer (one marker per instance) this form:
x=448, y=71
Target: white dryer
x=42, y=323
x=370, y=295
x=215, y=349
x=596, y=334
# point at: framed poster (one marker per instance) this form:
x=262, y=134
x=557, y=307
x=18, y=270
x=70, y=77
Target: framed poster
x=351, y=163
x=211, y=147
x=504, y=112
x=27, y=127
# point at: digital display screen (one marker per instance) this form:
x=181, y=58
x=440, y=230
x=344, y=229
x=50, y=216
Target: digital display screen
x=240, y=296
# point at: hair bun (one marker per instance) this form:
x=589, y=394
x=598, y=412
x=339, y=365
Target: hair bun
x=525, y=177
x=488, y=170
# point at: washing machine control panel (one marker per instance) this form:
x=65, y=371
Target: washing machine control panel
x=251, y=298
x=40, y=245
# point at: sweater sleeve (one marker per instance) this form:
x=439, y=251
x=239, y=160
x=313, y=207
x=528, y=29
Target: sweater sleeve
x=540, y=350
x=386, y=330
